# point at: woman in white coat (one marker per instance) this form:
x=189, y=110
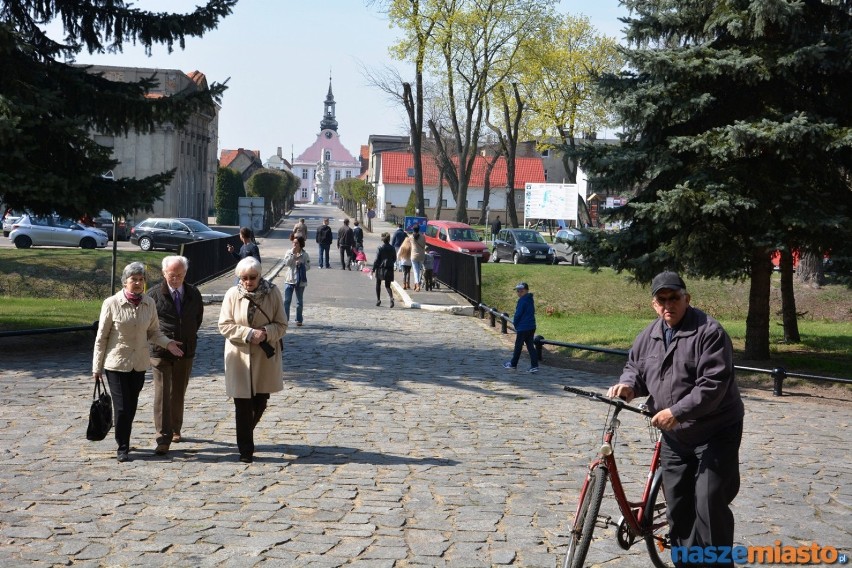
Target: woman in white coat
x=252, y=321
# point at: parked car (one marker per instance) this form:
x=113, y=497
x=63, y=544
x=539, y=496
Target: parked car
x=9, y=218
x=104, y=222
x=521, y=246
x=50, y=230
x=456, y=236
x=564, y=243
x=170, y=234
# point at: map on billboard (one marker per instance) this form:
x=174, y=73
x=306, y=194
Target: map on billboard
x=551, y=201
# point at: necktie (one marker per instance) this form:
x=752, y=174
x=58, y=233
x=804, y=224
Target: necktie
x=176, y=295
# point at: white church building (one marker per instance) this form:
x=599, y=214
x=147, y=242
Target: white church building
x=325, y=161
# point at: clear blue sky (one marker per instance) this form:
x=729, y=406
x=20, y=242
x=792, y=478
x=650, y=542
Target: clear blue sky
x=277, y=54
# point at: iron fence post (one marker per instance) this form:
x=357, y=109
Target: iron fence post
x=778, y=375
x=539, y=346
x=505, y=322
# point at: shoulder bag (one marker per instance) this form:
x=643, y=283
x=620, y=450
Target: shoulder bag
x=100, y=413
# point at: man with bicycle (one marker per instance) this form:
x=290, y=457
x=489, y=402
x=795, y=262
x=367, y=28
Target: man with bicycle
x=683, y=362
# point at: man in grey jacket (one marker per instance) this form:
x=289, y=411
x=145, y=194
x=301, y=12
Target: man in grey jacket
x=683, y=362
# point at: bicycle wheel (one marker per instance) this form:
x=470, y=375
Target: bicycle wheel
x=656, y=523
x=584, y=524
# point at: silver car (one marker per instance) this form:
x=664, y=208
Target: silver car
x=9, y=219
x=49, y=230
x=564, y=243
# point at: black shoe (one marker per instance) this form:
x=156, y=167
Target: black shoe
x=246, y=459
x=379, y=303
x=123, y=456
x=391, y=302
x=162, y=449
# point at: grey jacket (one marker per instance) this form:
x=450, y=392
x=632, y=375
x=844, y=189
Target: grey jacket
x=694, y=377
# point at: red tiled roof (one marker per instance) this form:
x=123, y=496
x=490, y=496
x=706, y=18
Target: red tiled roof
x=226, y=157
x=396, y=166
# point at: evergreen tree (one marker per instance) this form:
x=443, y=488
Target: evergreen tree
x=737, y=141
x=229, y=189
x=49, y=106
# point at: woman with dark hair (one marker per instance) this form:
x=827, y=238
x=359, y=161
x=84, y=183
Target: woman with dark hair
x=296, y=265
x=383, y=268
x=128, y=322
x=252, y=322
x=249, y=247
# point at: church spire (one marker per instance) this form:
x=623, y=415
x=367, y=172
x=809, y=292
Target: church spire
x=328, y=121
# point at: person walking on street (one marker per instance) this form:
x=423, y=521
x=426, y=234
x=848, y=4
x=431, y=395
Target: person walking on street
x=297, y=263
x=324, y=239
x=345, y=243
x=418, y=255
x=495, y=228
x=299, y=230
x=128, y=322
x=399, y=237
x=383, y=268
x=181, y=311
x=524, y=324
x=358, y=233
x=249, y=247
x=683, y=363
x=252, y=323
x=403, y=256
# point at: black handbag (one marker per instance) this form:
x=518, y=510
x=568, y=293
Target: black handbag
x=100, y=414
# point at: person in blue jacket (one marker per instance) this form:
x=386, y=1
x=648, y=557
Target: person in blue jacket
x=524, y=323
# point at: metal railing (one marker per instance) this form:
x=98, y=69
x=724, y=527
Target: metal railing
x=93, y=327
x=460, y=272
x=778, y=374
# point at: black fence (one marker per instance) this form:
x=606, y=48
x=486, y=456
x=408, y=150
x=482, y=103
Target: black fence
x=778, y=374
x=460, y=272
x=209, y=259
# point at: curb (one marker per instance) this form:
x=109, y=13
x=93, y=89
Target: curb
x=217, y=298
x=454, y=310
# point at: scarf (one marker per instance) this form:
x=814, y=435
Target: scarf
x=263, y=288
x=134, y=299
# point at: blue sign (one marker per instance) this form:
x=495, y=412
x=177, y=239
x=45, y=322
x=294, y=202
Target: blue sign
x=371, y=214
x=410, y=222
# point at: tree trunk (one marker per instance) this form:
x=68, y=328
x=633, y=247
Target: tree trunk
x=757, y=321
x=810, y=269
x=788, y=299
x=440, y=194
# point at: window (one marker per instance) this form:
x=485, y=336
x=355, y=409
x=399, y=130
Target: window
x=479, y=205
x=545, y=153
x=427, y=203
x=328, y=155
x=304, y=192
x=348, y=174
x=336, y=175
x=304, y=173
x=443, y=203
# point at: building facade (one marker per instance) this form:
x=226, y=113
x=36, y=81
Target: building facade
x=189, y=150
x=325, y=161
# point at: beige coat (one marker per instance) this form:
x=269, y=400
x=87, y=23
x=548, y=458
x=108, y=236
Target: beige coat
x=418, y=247
x=124, y=331
x=247, y=369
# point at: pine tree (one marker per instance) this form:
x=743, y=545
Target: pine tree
x=49, y=106
x=737, y=142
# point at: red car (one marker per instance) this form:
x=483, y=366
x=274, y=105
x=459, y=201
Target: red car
x=456, y=236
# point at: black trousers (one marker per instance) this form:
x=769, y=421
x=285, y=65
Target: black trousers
x=124, y=388
x=380, y=279
x=700, y=482
x=248, y=412
x=525, y=338
x=347, y=257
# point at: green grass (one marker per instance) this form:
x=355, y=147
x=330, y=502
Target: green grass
x=42, y=288
x=604, y=309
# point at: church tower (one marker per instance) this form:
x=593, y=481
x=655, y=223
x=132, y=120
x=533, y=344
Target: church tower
x=328, y=121
x=326, y=161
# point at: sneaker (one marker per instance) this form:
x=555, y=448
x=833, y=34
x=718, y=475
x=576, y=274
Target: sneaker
x=123, y=456
x=533, y=370
x=508, y=365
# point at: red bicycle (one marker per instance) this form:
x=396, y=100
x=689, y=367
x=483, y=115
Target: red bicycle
x=644, y=519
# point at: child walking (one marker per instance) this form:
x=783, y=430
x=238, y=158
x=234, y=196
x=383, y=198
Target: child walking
x=524, y=323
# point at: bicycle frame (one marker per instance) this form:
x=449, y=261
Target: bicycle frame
x=633, y=511
x=641, y=519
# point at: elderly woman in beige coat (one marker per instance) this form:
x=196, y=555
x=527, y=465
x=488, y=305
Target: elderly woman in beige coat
x=252, y=321
x=127, y=324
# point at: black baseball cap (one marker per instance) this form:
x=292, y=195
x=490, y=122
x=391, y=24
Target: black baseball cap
x=667, y=280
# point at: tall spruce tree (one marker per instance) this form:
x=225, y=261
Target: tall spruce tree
x=49, y=106
x=737, y=141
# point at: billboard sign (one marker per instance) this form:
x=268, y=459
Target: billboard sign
x=551, y=201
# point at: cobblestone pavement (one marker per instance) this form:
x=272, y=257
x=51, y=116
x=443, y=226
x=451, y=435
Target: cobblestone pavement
x=398, y=441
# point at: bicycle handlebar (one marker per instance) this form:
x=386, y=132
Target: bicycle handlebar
x=617, y=402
